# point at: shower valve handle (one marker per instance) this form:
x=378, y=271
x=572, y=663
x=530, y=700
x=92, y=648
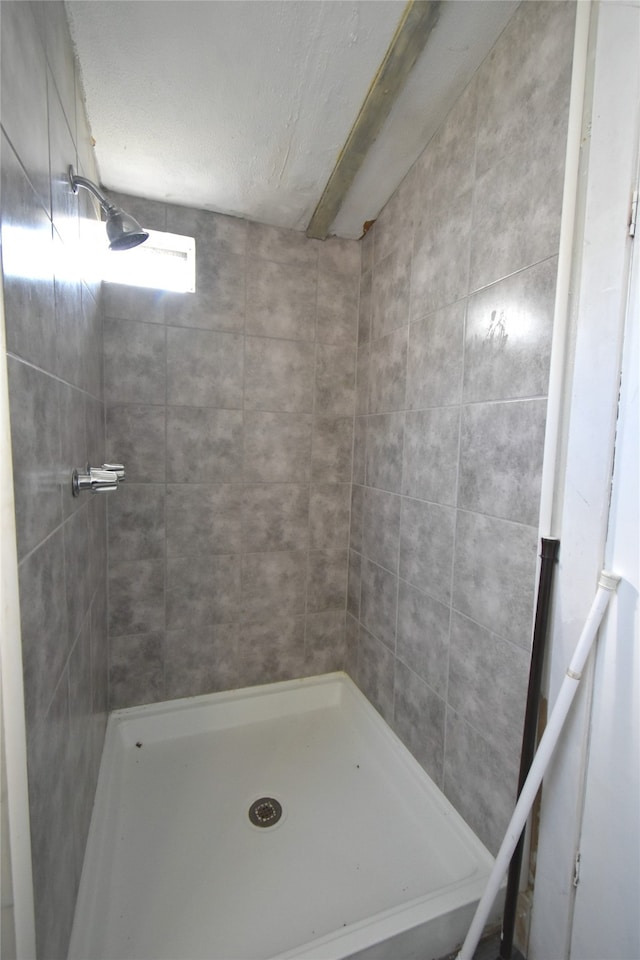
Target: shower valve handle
x=117, y=468
x=94, y=480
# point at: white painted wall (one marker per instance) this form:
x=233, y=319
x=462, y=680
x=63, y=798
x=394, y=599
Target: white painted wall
x=607, y=900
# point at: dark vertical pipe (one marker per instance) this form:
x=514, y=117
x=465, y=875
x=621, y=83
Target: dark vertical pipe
x=549, y=555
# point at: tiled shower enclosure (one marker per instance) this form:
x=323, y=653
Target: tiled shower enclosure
x=333, y=449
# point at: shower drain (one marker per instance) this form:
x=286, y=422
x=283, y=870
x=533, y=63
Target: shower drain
x=265, y=812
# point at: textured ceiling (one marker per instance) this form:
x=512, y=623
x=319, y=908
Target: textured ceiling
x=242, y=106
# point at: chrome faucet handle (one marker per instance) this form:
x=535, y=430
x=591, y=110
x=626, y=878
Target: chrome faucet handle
x=117, y=468
x=94, y=480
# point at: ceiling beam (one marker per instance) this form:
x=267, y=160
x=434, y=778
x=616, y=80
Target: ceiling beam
x=416, y=23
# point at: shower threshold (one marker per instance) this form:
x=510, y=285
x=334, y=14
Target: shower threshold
x=351, y=851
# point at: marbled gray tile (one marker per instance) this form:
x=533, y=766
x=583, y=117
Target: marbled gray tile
x=366, y=249
x=135, y=436
x=440, y=267
x=203, y=519
x=419, y=720
x=394, y=226
x=136, y=670
x=64, y=203
x=122, y=302
x=364, y=309
x=43, y=618
x=97, y=523
x=388, y=372
x=204, y=368
x=81, y=739
x=278, y=375
x=363, y=366
x=332, y=449
x=516, y=216
x=35, y=437
x=427, y=532
x=338, y=283
x=359, y=449
x=381, y=528
x=390, y=293
x=385, y=436
x=325, y=642
x=479, y=780
x=192, y=659
x=277, y=447
x=94, y=430
x=281, y=300
x=480, y=661
x=501, y=449
x=353, y=584
x=77, y=570
x=218, y=302
x=281, y=245
x=508, y=336
x=136, y=597
x=329, y=507
x=275, y=516
x=28, y=302
x=326, y=580
x=99, y=673
x=494, y=575
x=434, y=368
x=134, y=362
x=352, y=631
x=379, y=602
x=136, y=514
x=200, y=595
x=374, y=674
x=204, y=445
x=335, y=380
x=24, y=94
x=74, y=450
x=70, y=331
x=273, y=584
x=272, y=650
x=357, y=517
x=423, y=636
x=431, y=440
x=60, y=56
x=524, y=84
x=446, y=167
x=215, y=233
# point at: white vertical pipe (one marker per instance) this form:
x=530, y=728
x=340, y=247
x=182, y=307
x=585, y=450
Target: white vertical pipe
x=607, y=585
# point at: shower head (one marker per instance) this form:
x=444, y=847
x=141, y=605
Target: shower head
x=123, y=230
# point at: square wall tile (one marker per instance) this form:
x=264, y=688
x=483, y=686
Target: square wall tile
x=194, y=660
x=281, y=300
x=277, y=447
x=388, y=372
x=427, y=532
x=272, y=650
x=273, y=584
x=379, y=602
x=374, y=674
x=354, y=582
x=419, y=720
x=381, y=528
x=134, y=362
x=364, y=309
x=136, y=670
x=394, y=226
x=275, y=516
x=431, y=454
x=137, y=521
x=215, y=233
x=135, y=436
x=203, y=519
x=204, y=368
x=122, y=302
x=136, y=597
x=325, y=642
x=329, y=508
x=385, y=438
x=279, y=375
x=281, y=245
x=326, y=580
x=494, y=575
x=440, y=268
x=335, y=381
x=423, y=636
x=218, y=302
x=363, y=366
x=357, y=517
x=337, y=318
x=204, y=445
x=434, y=369
x=359, y=450
x=332, y=449
x=390, y=293
x=202, y=594
x=501, y=451
x=508, y=336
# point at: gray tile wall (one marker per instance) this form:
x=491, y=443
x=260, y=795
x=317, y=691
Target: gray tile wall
x=233, y=410
x=458, y=282
x=54, y=340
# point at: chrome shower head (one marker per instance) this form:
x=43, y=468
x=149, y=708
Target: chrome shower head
x=123, y=230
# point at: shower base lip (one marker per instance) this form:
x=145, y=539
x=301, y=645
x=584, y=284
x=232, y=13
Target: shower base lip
x=302, y=742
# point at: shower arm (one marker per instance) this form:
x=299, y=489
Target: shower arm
x=77, y=181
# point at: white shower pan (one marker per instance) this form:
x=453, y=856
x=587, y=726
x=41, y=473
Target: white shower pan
x=368, y=858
